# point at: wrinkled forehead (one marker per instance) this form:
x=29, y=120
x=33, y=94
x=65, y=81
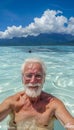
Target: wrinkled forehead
x=33, y=66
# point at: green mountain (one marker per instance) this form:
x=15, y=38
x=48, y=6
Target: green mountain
x=42, y=39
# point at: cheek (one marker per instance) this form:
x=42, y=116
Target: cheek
x=24, y=81
x=41, y=81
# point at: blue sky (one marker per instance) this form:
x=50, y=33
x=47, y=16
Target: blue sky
x=20, y=18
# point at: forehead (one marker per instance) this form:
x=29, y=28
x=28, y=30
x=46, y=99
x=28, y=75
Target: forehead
x=33, y=67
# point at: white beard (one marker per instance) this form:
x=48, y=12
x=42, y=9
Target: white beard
x=33, y=92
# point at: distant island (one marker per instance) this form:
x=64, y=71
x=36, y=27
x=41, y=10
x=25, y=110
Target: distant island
x=42, y=39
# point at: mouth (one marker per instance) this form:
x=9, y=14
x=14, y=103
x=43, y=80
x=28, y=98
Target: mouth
x=33, y=87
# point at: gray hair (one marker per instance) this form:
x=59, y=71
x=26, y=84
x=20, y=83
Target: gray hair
x=38, y=60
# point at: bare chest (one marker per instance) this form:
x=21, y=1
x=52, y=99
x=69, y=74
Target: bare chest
x=40, y=113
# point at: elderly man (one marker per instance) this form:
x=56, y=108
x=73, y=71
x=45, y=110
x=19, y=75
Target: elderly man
x=39, y=109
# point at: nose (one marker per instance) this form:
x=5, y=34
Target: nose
x=33, y=79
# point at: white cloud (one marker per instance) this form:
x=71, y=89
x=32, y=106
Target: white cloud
x=70, y=28
x=50, y=22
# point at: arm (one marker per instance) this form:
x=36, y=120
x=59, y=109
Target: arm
x=63, y=115
x=11, y=103
x=4, y=109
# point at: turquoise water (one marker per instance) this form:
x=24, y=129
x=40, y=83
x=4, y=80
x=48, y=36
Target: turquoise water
x=60, y=73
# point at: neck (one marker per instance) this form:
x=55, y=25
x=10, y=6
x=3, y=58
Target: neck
x=34, y=99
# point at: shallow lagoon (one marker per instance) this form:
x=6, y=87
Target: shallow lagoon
x=60, y=73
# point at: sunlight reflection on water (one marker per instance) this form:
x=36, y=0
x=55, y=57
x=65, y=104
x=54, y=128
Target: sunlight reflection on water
x=60, y=71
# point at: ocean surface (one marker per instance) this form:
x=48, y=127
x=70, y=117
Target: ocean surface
x=59, y=62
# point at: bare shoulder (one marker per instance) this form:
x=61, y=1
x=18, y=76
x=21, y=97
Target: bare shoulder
x=21, y=92
x=58, y=103
x=52, y=99
x=18, y=94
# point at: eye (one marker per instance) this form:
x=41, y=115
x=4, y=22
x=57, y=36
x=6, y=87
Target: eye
x=38, y=76
x=28, y=75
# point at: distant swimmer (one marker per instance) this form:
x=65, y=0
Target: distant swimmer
x=34, y=109
x=30, y=51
